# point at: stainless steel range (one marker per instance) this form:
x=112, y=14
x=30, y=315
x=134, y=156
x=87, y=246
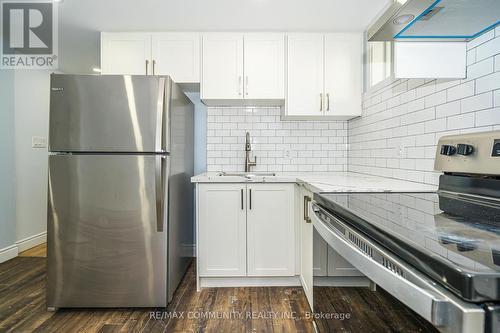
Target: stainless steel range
x=438, y=253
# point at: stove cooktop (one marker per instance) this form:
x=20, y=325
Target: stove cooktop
x=459, y=248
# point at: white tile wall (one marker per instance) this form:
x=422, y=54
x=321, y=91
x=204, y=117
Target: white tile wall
x=402, y=122
x=396, y=136
x=281, y=146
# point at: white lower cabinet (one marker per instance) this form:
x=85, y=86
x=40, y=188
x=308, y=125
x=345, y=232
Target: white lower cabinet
x=222, y=229
x=306, y=245
x=246, y=230
x=270, y=230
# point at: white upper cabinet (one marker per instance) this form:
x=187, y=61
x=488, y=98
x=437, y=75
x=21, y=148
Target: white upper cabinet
x=125, y=53
x=222, y=66
x=343, y=74
x=264, y=66
x=173, y=54
x=305, y=75
x=177, y=55
x=324, y=76
x=243, y=69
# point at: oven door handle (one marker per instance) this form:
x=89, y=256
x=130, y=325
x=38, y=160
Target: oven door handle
x=410, y=287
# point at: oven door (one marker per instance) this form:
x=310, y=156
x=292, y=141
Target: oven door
x=441, y=308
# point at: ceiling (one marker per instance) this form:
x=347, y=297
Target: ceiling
x=303, y=15
x=80, y=21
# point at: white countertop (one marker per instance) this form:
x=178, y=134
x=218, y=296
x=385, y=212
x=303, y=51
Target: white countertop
x=326, y=182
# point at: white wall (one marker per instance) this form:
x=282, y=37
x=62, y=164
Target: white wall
x=402, y=122
x=280, y=146
x=31, y=119
x=7, y=164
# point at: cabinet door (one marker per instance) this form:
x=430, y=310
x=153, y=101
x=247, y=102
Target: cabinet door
x=222, y=66
x=264, y=66
x=270, y=230
x=343, y=74
x=306, y=246
x=305, y=75
x=338, y=266
x=222, y=229
x=125, y=53
x=177, y=55
x=320, y=255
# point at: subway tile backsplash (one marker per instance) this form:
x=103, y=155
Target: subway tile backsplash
x=401, y=124
x=396, y=136
x=280, y=146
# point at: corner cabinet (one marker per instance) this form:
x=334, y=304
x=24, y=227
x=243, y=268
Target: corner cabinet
x=171, y=53
x=246, y=230
x=243, y=69
x=324, y=78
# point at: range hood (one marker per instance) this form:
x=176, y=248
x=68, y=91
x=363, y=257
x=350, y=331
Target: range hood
x=445, y=20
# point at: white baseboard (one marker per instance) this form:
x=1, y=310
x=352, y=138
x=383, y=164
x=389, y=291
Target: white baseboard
x=32, y=241
x=22, y=245
x=222, y=282
x=8, y=253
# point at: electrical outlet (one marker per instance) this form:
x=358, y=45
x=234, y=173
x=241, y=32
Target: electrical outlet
x=38, y=142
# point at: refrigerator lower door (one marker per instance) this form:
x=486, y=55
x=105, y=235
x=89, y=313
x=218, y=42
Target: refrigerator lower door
x=107, y=233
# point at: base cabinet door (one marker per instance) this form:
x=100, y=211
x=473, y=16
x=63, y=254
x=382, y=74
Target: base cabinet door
x=306, y=245
x=222, y=229
x=270, y=230
x=338, y=266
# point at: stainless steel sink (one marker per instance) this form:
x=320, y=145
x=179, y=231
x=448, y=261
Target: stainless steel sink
x=246, y=174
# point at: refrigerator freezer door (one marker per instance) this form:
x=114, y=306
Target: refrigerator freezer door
x=109, y=113
x=105, y=245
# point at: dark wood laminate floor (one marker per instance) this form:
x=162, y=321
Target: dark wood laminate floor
x=22, y=309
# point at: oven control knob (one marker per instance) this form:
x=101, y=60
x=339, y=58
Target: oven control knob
x=463, y=149
x=448, y=150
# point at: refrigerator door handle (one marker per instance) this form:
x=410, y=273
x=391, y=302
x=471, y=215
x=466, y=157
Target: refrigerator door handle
x=159, y=117
x=160, y=190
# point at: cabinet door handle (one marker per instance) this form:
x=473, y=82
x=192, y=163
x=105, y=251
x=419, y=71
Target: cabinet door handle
x=321, y=102
x=250, y=193
x=241, y=199
x=246, y=85
x=147, y=66
x=307, y=199
x=154, y=65
x=239, y=85
x=327, y=102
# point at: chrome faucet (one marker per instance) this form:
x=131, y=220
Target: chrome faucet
x=248, y=149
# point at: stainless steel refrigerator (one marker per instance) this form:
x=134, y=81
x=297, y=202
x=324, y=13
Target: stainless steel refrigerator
x=120, y=201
